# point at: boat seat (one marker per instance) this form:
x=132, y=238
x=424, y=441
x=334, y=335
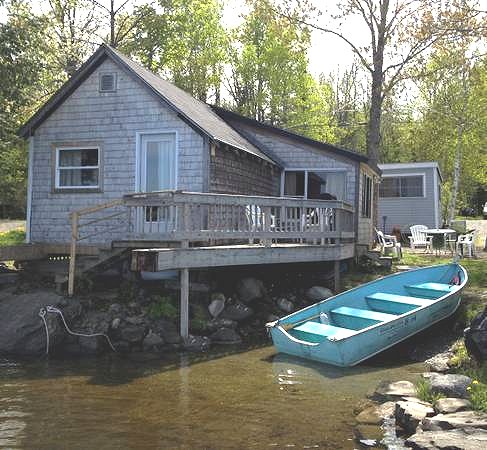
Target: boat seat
x=356, y=319
x=395, y=304
x=317, y=332
x=430, y=290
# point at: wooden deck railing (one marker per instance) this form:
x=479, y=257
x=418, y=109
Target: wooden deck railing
x=177, y=216
x=191, y=216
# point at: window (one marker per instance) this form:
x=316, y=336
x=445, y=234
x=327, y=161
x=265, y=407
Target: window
x=77, y=168
x=319, y=185
x=366, y=196
x=406, y=186
x=108, y=82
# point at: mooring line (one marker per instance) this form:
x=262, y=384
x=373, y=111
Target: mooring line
x=51, y=309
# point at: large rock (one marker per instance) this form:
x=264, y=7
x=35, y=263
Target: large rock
x=409, y=414
x=197, y=344
x=216, y=324
x=452, y=405
x=134, y=334
x=375, y=415
x=394, y=391
x=462, y=419
x=285, y=305
x=439, y=362
x=465, y=439
x=476, y=337
x=152, y=342
x=249, y=289
x=22, y=331
x=226, y=336
x=317, y=293
x=237, y=312
x=217, y=304
x=92, y=345
x=450, y=385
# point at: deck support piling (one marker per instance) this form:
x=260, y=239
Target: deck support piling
x=184, y=324
x=336, y=277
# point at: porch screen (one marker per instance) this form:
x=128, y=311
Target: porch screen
x=294, y=183
x=405, y=186
x=77, y=168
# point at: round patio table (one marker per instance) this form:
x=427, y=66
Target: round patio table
x=439, y=235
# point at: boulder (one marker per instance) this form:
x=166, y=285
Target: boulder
x=462, y=419
x=92, y=345
x=439, y=362
x=237, y=312
x=464, y=439
x=133, y=334
x=226, y=336
x=393, y=391
x=451, y=405
x=22, y=330
x=285, y=305
x=317, y=293
x=152, y=342
x=115, y=323
x=450, y=385
x=409, y=414
x=375, y=415
x=216, y=324
x=249, y=289
x=197, y=344
x=476, y=337
x=217, y=304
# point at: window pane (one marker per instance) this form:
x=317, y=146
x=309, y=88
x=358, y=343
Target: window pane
x=160, y=167
x=78, y=177
x=294, y=184
x=389, y=187
x=78, y=158
x=411, y=186
x=326, y=185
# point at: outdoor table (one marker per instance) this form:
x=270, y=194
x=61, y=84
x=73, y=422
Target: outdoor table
x=439, y=233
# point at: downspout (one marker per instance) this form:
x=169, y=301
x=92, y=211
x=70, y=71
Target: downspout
x=29, y=190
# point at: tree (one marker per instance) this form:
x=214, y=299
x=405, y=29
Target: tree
x=184, y=41
x=399, y=32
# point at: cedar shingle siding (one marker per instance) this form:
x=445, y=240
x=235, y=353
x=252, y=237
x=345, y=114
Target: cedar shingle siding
x=233, y=172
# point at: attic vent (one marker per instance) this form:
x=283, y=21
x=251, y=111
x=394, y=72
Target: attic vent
x=108, y=82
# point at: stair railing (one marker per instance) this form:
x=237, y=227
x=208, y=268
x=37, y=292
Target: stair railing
x=77, y=226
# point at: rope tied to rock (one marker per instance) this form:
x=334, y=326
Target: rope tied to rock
x=52, y=309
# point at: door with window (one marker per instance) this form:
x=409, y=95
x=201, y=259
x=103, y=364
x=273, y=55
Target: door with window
x=158, y=172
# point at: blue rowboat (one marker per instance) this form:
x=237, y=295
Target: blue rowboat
x=350, y=327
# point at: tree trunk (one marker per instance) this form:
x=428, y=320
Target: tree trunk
x=375, y=112
x=112, y=24
x=452, y=207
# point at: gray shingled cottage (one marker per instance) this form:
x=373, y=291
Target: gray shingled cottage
x=120, y=158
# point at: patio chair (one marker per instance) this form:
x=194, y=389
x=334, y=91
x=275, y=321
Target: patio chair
x=466, y=241
x=419, y=238
x=388, y=241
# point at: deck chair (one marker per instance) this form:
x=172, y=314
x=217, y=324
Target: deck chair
x=466, y=241
x=419, y=238
x=388, y=241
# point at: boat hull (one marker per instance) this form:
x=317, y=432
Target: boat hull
x=370, y=341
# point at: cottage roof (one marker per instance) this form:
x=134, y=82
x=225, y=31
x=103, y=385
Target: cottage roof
x=195, y=112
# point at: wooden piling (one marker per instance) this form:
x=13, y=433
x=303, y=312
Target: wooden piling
x=336, y=277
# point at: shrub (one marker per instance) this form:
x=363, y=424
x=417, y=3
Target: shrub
x=478, y=395
x=163, y=307
x=12, y=237
x=424, y=392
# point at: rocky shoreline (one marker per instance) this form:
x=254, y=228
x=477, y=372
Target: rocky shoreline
x=446, y=422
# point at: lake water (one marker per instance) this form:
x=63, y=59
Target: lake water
x=236, y=398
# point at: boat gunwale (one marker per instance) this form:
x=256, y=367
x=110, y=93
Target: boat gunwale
x=399, y=317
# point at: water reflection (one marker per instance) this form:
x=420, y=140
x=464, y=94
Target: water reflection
x=247, y=398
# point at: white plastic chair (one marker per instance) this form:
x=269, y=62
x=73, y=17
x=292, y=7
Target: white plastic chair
x=419, y=238
x=466, y=241
x=388, y=241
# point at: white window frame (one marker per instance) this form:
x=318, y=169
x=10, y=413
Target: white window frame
x=313, y=169
x=405, y=176
x=58, y=168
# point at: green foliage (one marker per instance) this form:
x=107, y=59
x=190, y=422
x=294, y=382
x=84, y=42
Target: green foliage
x=460, y=359
x=163, y=307
x=424, y=393
x=478, y=395
x=12, y=237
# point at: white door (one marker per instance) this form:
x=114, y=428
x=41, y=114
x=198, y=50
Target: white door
x=158, y=171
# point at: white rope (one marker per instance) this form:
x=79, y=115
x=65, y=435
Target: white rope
x=54, y=310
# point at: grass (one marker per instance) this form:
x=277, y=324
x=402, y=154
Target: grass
x=424, y=392
x=12, y=237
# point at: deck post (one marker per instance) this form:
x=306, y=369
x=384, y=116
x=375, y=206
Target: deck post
x=336, y=278
x=72, y=252
x=184, y=324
